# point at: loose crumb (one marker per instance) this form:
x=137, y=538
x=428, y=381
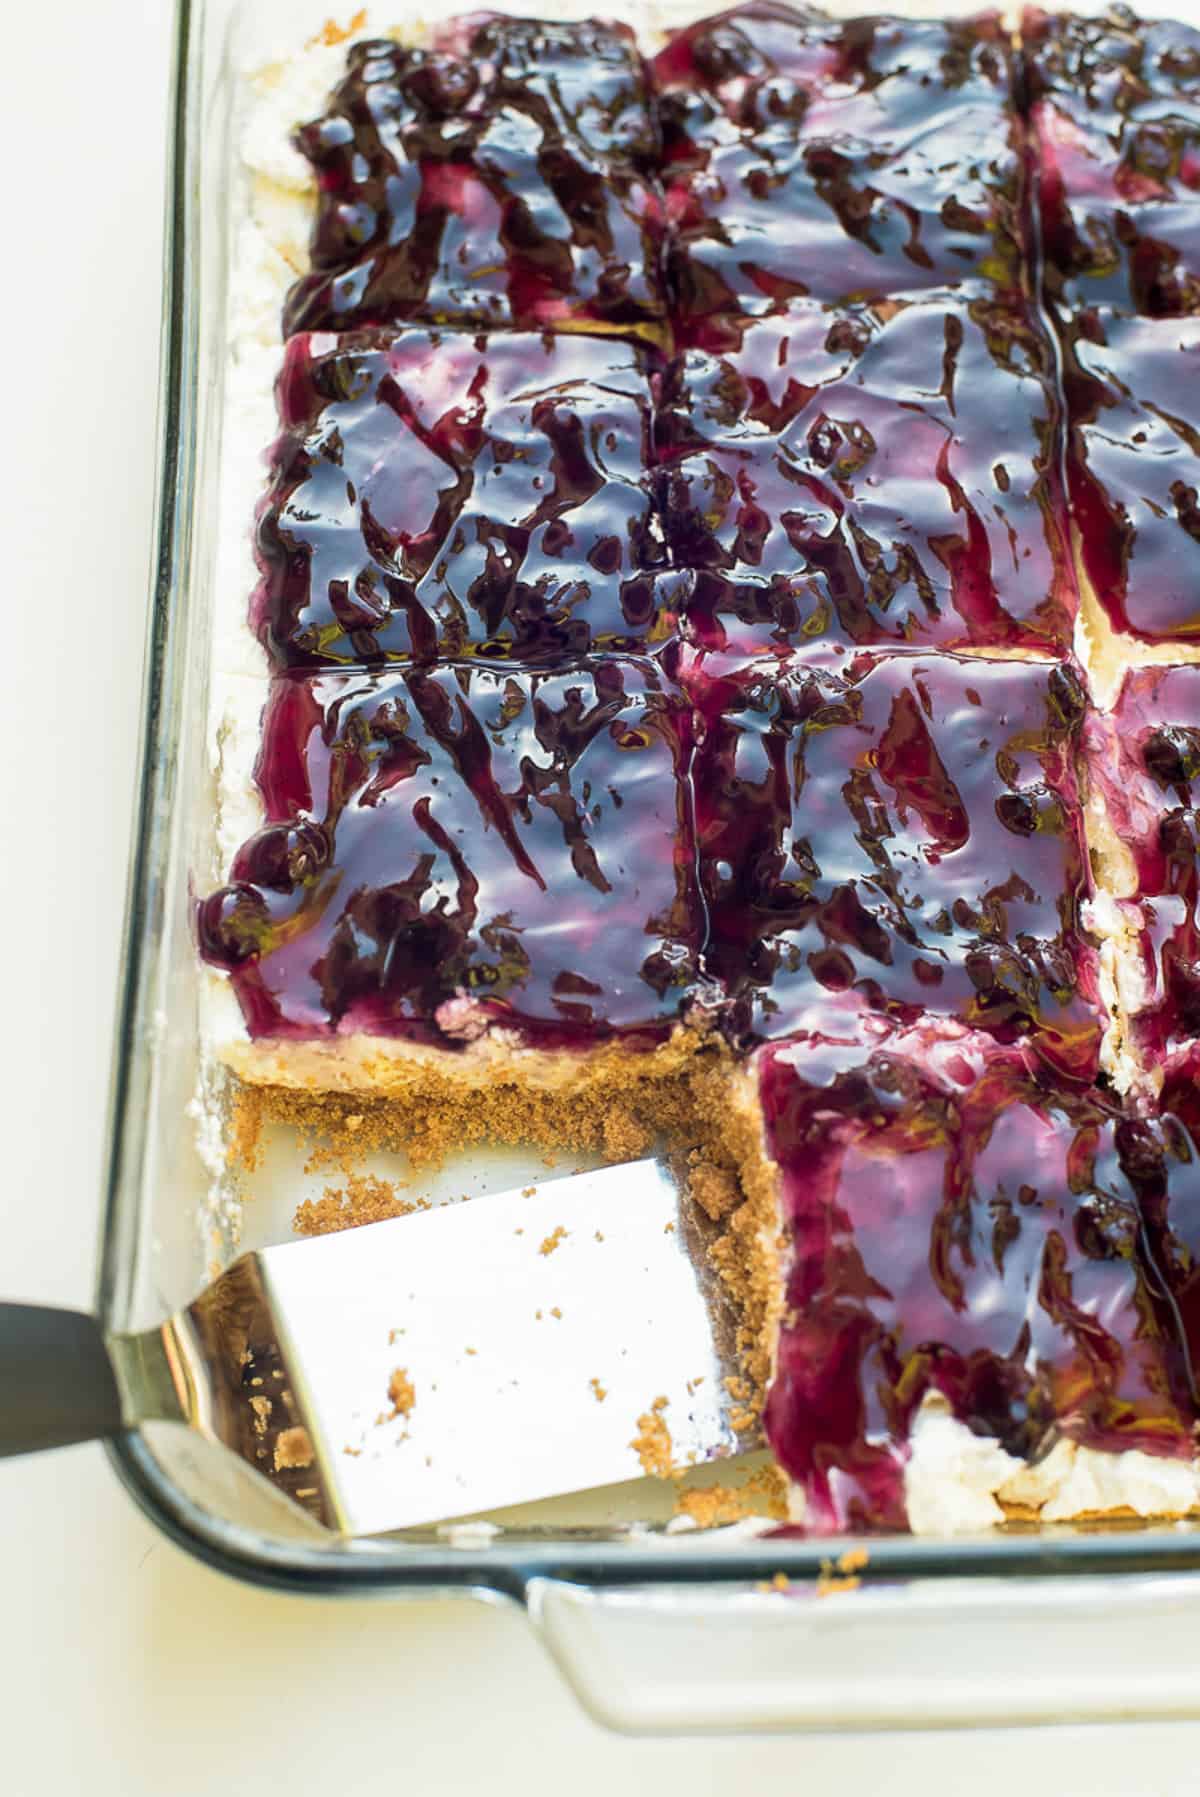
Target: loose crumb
x=652, y=1443
x=842, y=1574
x=552, y=1240
x=829, y=1584
x=292, y=1448
x=714, y=1505
x=332, y=33
x=402, y=1393
x=262, y=1414
x=778, y=1583
x=556, y=1312
x=601, y=1391
x=769, y=1488
x=363, y=1199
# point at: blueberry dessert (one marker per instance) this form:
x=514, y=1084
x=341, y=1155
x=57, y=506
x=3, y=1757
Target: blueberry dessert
x=1116, y=120
x=904, y=836
x=1134, y=468
x=883, y=472
x=452, y=848
x=726, y=597
x=1144, y=761
x=506, y=175
x=440, y=494
x=964, y=1232
x=811, y=158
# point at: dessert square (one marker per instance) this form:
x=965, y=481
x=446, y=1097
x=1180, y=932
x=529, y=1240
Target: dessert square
x=453, y=850
x=1116, y=120
x=900, y=837
x=834, y=159
x=1143, y=762
x=1163, y=1155
x=440, y=494
x=674, y=727
x=496, y=179
x=876, y=473
x=582, y=79
x=1134, y=468
x=957, y=1230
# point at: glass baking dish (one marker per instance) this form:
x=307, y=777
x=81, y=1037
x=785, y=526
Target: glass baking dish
x=654, y=1631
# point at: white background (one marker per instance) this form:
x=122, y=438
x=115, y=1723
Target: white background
x=124, y=1667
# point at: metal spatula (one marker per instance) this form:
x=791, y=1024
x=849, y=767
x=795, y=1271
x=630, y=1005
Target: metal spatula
x=479, y=1354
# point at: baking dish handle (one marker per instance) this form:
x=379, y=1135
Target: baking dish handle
x=682, y=1658
x=57, y=1384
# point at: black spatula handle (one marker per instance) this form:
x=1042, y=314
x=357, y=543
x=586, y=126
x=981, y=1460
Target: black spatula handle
x=56, y=1380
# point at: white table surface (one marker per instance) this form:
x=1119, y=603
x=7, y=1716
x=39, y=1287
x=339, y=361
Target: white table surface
x=125, y=1668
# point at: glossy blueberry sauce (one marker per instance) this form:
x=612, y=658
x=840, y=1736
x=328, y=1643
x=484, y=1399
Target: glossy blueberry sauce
x=902, y=835
x=1144, y=760
x=1116, y=117
x=1134, y=466
x=957, y=1226
x=871, y=474
x=501, y=178
x=811, y=157
x=461, y=847
x=439, y=494
x=1115, y=114
x=1164, y=1156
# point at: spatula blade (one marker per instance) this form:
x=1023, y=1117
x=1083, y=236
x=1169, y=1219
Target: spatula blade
x=490, y=1353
